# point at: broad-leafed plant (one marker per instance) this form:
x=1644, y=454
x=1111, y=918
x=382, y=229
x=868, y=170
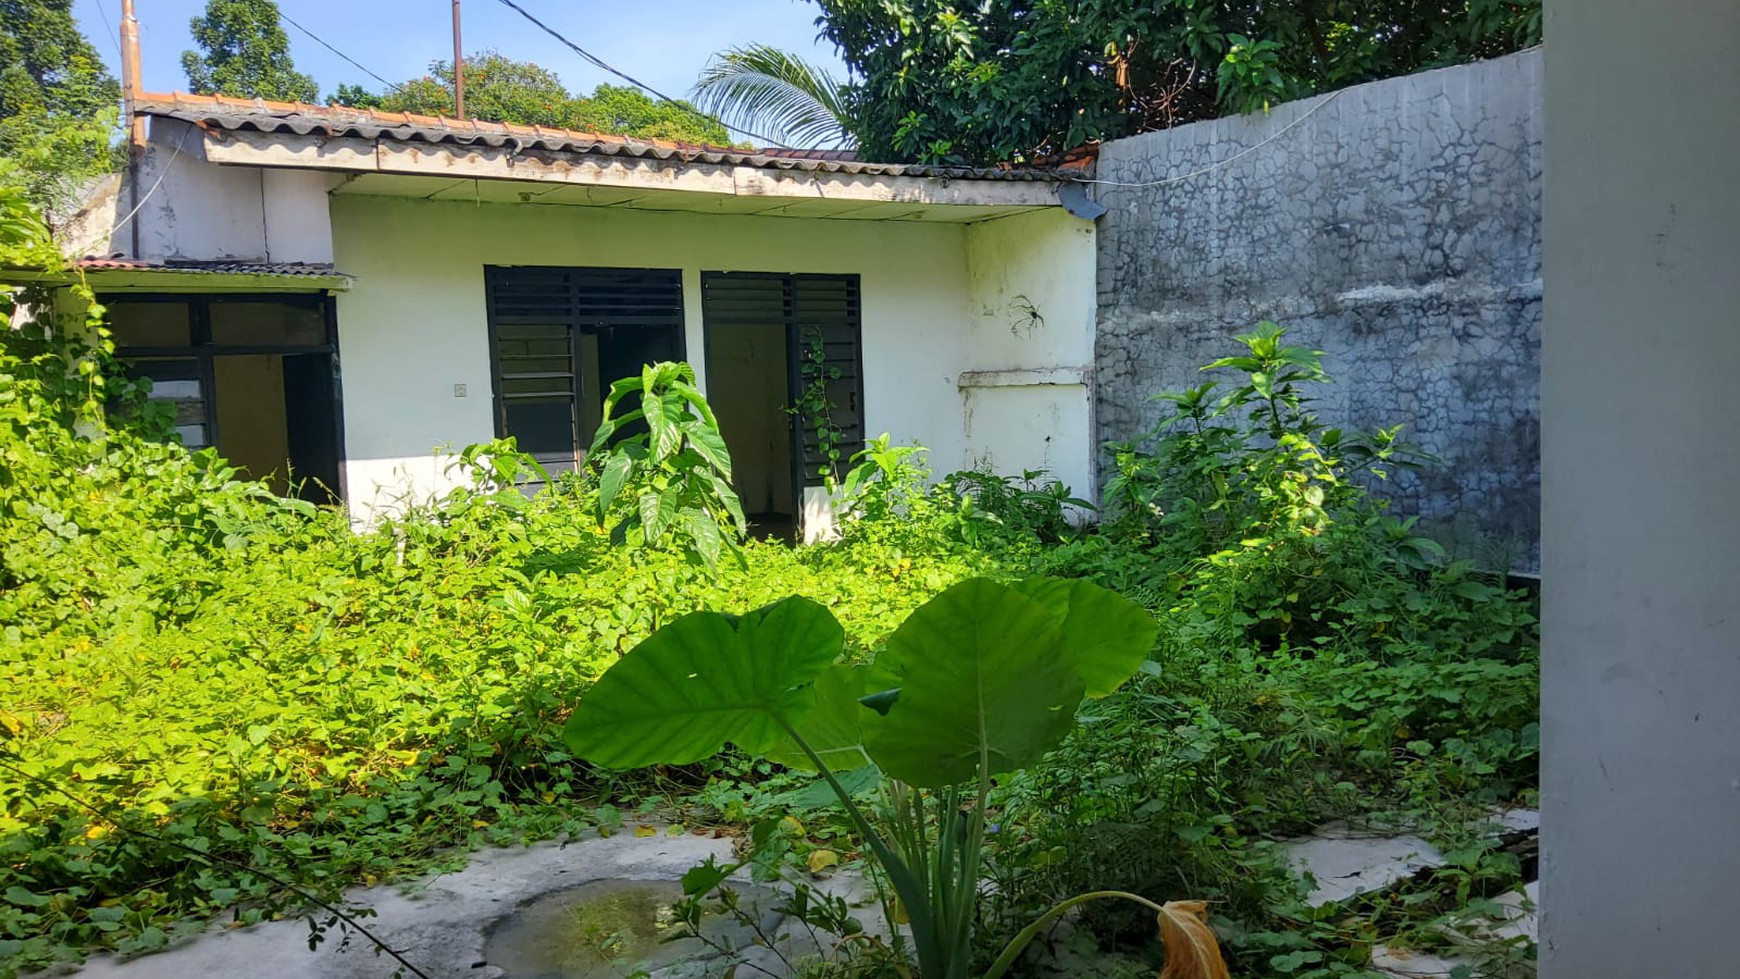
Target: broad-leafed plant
x=980, y=681
x=663, y=468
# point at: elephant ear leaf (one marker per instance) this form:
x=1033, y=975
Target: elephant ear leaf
x=704, y=681
x=830, y=721
x=984, y=678
x=1108, y=635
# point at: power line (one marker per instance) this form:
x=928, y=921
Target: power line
x=600, y=63
x=322, y=42
x=110, y=30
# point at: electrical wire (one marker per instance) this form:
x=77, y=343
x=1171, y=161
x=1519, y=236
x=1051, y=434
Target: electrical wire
x=116, y=229
x=114, y=37
x=600, y=63
x=1229, y=161
x=322, y=42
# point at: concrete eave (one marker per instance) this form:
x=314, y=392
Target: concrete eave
x=352, y=155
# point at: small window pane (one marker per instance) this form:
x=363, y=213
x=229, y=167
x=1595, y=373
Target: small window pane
x=543, y=428
x=137, y=324
x=266, y=324
x=178, y=384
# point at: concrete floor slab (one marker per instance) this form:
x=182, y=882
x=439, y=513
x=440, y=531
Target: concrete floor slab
x=438, y=923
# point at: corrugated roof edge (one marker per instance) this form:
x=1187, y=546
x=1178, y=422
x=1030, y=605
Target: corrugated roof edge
x=333, y=121
x=92, y=263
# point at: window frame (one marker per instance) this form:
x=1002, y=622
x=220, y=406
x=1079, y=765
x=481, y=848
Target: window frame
x=576, y=322
x=202, y=349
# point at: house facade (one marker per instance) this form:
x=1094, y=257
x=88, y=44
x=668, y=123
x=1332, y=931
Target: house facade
x=354, y=296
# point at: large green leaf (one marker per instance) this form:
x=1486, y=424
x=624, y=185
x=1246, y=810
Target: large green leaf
x=831, y=722
x=1108, y=634
x=703, y=681
x=984, y=676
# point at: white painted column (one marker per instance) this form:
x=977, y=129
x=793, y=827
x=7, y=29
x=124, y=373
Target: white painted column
x=1641, y=489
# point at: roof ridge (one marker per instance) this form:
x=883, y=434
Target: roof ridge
x=231, y=113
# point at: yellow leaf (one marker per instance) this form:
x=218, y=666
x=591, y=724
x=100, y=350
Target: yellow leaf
x=1192, y=952
x=644, y=830
x=480, y=824
x=96, y=832
x=604, y=832
x=820, y=860
x=792, y=826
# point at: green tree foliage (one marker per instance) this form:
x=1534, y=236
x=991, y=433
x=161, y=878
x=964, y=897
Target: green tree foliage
x=630, y=112
x=768, y=90
x=246, y=54
x=500, y=89
x=58, y=105
x=1018, y=79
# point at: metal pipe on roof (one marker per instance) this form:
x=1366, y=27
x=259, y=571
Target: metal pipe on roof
x=131, y=85
x=458, y=67
x=130, y=76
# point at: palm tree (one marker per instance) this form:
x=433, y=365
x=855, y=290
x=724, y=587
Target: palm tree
x=766, y=89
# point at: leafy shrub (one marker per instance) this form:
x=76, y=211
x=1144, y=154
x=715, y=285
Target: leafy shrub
x=1027, y=505
x=662, y=466
x=1320, y=660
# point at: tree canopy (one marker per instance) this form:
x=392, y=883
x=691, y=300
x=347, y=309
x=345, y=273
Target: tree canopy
x=762, y=88
x=58, y=104
x=245, y=53
x=1004, y=80
x=500, y=89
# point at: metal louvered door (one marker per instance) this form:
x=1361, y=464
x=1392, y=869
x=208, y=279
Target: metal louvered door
x=560, y=336
x=816, y=319
x=826, y=345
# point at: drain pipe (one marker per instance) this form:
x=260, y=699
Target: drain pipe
x=130, y=87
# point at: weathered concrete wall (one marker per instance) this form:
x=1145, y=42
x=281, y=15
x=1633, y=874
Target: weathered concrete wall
x=201, y=211
x=1397, y=227
x=1640, y=662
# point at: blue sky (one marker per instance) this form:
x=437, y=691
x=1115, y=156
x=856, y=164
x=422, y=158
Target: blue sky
x=664, y=43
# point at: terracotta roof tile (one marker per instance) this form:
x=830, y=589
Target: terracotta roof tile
x=300, y=119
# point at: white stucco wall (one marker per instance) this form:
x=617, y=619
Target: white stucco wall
x=413, y=325
x=1640, y=680
x=1030, y=346
x=204, y=212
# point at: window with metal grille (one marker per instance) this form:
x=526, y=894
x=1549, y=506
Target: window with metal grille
x=560, y=336
x=254, y=376
x=823, y=330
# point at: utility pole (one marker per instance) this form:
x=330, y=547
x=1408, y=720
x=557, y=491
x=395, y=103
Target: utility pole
x=130, y=79
x=458, y=66
x=131, y=84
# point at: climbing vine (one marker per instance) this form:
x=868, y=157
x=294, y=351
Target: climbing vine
x=814, y=408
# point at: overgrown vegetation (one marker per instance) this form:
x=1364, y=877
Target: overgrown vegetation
x=250, y=677
x=58, y=105
x=942, y=82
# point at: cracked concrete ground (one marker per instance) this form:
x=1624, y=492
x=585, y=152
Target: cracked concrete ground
x=440, y=923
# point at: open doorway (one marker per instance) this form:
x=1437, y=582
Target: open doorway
x=777, y=346
x=252, y=376
x=746, y=385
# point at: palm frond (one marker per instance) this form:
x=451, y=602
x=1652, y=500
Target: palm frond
x=763, y=88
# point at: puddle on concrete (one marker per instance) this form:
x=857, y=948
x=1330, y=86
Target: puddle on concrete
x=610, y=929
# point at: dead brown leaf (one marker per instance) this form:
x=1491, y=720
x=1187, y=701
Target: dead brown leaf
x=1192, y=951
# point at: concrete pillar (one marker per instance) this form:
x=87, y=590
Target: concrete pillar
x=1641, y=490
